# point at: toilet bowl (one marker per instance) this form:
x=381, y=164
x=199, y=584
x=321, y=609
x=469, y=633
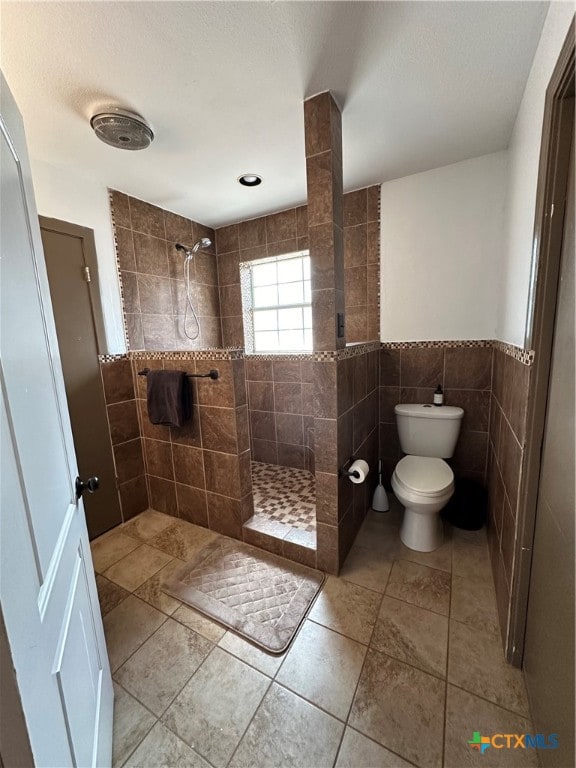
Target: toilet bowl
x=423, y=486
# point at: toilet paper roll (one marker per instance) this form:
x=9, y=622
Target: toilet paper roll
x=360, y=469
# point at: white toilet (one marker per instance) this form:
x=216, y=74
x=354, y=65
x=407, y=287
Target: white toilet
x=422, y=482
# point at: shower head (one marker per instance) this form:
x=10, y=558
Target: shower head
x=204, y=242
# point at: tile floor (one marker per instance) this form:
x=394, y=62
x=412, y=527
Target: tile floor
x=397, y=663
x=284, y=495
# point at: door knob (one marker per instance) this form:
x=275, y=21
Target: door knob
x=91, y=485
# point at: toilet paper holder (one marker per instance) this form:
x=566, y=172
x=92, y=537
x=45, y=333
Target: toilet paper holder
x=347, y=472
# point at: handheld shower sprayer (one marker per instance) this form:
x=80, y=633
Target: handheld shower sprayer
x=189, y=253
x=204, y=242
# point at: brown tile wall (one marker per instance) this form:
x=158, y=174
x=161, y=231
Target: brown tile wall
x=362, y=264
x=507, y=436
x=281, y=411
x=411, y=376
x=254, y=239
x=346, y=426
x=201, y=471
x=152, y=279
x=323, y=143
x=125, y=437
x=288, y=231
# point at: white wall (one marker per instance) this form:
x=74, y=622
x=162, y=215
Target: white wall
x=63, y=193
x=441, y=245
x=524, y=152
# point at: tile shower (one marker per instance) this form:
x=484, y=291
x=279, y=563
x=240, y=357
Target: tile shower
x=261, y=413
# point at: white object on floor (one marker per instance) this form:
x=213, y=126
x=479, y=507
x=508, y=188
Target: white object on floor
x=422, y=481
x=380, y=499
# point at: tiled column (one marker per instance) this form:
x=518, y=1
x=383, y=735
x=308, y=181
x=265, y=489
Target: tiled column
x=323, y=134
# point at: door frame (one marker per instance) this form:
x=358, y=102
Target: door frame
x=86, y=236
x=557, y=131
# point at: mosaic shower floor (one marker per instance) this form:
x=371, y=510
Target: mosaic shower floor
x=284, y=500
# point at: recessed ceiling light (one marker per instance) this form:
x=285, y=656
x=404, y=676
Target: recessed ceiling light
x=250, y=179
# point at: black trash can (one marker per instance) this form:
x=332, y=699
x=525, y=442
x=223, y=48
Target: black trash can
x=468, y=506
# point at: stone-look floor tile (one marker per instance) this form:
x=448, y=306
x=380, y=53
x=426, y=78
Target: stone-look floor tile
x=161, y=667
x=366, y=568
x=151, y=590
x=413, y=635
x=263, y=662
x=323, y=667
x=470, y=556
x=132, y=722
x=473, y=538
x=137, y=567
x=127, y=626
x=465, y=714
x=476, y=663
x=474, y=603
x=199, y=623
x=346, y=608
x=109, y=594
x=183, y=539
x=440, y=558
x=147, y=524
x=109, y=548
x=380, y=532
x=357, y=751
x=400, y=707
x=288, y=731
x=163, y=749
x=422, y=586
x=214, y=709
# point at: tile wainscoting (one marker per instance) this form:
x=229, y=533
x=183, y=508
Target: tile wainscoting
x=348, y=396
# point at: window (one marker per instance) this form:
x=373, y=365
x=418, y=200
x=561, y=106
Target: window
x=276, y=303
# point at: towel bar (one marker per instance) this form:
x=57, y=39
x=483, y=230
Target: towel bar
x=212, y=374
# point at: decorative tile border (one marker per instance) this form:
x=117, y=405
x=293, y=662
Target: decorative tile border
x=118, y=269
x=113, y=358
x=437, y=344
x=296, y=356
x=193, y=354
x=352, y=351
x=524, y=356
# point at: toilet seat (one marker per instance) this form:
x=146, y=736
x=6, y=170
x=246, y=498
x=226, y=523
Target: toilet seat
x=429, y=477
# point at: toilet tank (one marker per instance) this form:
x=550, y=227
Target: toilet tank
x=428, y=430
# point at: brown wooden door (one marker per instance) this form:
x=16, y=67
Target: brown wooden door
x=78, y=320
x=549, y=647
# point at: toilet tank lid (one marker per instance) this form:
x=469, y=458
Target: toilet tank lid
x=428, y=411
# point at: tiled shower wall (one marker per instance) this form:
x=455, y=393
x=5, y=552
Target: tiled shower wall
x=255, y=239
x=288, y=231
x=281, y=411
x=152, y=278
x=511, y=383
x=200, y=472
x=346, y=426
x=125, y=437
x=411, y=374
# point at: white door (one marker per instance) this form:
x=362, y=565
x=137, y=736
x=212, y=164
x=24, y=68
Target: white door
x=47, y=586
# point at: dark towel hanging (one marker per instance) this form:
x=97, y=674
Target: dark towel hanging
x=168, y=397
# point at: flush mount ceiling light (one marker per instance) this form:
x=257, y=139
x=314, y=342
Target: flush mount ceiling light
x=122, y=129
x=250, y=179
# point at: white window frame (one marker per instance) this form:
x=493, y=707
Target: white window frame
x=249, y=309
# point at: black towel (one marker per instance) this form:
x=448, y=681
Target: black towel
x=168, y=397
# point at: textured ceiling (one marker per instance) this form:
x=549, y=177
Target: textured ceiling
x=421, y=84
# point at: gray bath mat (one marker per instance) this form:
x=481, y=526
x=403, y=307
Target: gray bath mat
x=258, y=595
